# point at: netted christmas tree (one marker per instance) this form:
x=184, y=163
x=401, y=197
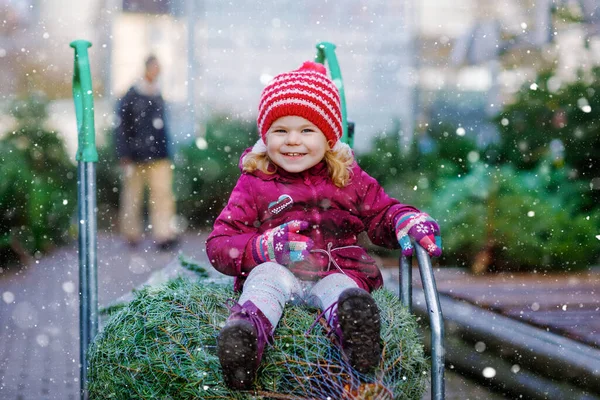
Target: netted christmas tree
x=162, y=345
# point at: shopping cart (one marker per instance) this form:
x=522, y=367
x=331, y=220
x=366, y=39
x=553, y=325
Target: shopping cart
x=87, y=156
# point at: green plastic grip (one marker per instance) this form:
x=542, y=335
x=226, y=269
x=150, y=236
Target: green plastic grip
x=326, y=52
x=83, y=96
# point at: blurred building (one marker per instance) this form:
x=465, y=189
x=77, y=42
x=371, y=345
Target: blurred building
x=395, y=56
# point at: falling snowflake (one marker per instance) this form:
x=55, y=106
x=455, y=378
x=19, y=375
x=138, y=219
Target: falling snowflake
x=489, y=372
x=8, y=297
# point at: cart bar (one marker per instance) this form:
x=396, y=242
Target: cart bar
x=326, y=52
x=86, y=203
x=436, y=319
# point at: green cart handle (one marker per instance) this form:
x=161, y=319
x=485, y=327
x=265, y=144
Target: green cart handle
x=84, y=103
x=326, y=52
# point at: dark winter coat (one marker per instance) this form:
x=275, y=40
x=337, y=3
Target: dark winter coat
x=337, y=216
x=141, y=134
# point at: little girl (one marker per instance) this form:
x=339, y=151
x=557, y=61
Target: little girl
x=289, y=231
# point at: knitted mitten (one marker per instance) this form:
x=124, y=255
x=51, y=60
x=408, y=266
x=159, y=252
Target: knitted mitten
x=282, y=244
x=423, y=229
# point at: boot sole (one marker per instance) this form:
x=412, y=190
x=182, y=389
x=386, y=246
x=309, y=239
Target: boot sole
x=360, y=323
x=237, y=351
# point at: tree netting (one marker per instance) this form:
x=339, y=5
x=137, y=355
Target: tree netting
x=162, y=345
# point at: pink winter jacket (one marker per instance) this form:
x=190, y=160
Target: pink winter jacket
x=336, y=215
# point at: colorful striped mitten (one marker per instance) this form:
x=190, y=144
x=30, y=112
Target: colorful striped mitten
x=423, y=229
x=283, y=244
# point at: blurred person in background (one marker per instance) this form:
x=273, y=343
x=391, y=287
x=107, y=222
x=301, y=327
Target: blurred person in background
x=142, y=147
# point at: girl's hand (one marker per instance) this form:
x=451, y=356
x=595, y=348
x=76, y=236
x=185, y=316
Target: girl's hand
x=423, y=229
x=283, y=244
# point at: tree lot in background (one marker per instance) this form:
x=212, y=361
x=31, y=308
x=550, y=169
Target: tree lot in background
x=551, y=132
x=37, y=184
x=546, y=114
x=501, y=218
x=529, y=202
x=207, y=170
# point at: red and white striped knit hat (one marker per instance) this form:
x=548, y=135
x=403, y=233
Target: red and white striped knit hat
x=306, y=92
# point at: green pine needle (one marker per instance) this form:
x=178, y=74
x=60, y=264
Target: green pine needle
x=162, y=345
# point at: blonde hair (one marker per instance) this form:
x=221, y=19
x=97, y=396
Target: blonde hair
x=339, y=164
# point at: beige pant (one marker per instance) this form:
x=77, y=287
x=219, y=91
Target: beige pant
x=158, y=175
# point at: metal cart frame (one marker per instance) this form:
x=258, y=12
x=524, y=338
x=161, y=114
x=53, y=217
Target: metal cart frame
x=87, y=156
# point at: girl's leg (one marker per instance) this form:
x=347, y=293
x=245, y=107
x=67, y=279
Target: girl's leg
x=354, y=318
x=269, y=286
x=325, y=293
x=252, y=321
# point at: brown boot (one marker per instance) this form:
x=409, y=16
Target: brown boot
x=241, y=344
x=357, y=324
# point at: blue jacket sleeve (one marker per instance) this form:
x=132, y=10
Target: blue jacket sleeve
x=124, y=125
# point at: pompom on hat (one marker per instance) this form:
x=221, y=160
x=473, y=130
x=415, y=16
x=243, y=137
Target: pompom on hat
x=306, y=92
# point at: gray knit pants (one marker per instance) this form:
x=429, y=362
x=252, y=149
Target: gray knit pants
x=270, y=286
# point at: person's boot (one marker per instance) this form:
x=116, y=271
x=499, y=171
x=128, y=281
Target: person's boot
x=357, y=324
x=241, y=343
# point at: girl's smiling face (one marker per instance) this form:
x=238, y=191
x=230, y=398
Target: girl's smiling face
x=295, y=144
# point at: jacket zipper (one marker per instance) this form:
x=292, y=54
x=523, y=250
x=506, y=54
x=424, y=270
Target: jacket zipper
x=317, y=214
